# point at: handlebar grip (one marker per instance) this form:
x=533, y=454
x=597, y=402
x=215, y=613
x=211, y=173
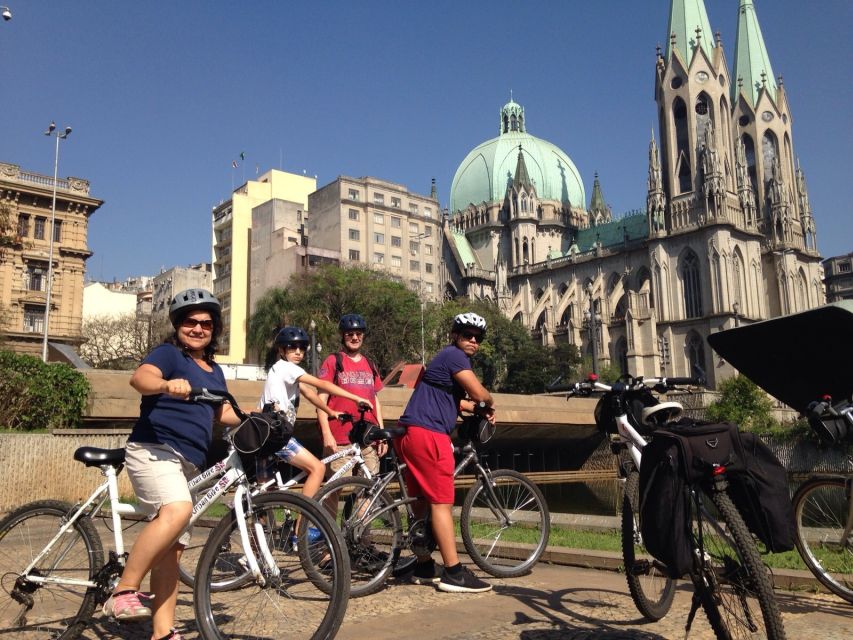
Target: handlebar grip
x=345, y=417
x=685, y=381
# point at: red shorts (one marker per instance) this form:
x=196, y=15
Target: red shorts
x=430, y=463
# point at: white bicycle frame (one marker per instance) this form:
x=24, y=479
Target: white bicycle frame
x=222, y=476
x=356, y=459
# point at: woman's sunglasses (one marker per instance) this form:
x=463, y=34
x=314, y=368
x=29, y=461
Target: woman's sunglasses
x=191, y=323
x=296, y=345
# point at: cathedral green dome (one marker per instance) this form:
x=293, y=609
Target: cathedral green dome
x=488, y=169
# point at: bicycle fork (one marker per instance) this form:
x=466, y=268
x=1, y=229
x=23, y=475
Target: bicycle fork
x=260, y=539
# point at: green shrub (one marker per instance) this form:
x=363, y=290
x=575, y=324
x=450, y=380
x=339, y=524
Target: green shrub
x=744, y=403
x=38, y=395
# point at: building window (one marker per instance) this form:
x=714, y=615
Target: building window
x=428, y=249
x=378, y=198
x=395, y=202
x=396, y=261
x=415, y=285
x=428, y=212
x=428, y=267
x=36, y=278
x=23, y=226
x=695, y=352
x=843, y=267
x=379, y=258
x=413, y=227
x=38, y=230
x=378, y=218
x=692, y=287
x=353, y=194
x=354, y=255
x=354, y=234
x=413, y=208
x=395, y=222
x=414, y=265
x=396, y=241
x=414, y=247
x=379, y=238
x=353, y=214
x=428, y=287
x=33, y=319
x=57, y=230
x=428, y=232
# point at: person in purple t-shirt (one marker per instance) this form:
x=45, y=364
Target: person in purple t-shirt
x=448, y=386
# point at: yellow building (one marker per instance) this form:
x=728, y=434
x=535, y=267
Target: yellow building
x=232, y=223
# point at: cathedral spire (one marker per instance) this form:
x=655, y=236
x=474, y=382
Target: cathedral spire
x=598, y=209
x=751, y=63
x=521, y=178
x=655, y=198
x=689, y=29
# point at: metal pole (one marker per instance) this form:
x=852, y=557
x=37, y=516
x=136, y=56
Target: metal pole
x=423, y=349
x=50, y=253
x=313, y=326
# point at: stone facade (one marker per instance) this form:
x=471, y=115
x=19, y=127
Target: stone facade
x=839, y=278
x=24, y=265
x=727, y=235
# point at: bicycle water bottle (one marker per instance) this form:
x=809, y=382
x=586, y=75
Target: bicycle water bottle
x=264, y=469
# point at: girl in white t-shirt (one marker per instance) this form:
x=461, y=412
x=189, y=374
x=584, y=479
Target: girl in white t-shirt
x=286, y=380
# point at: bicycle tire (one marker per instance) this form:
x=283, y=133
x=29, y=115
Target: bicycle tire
x=374, y=539
x=651, y=589
x=822, y=507
x=189, y=562
x=735, y=588
x=57, y=611
x=289, y=601
x=483, y=534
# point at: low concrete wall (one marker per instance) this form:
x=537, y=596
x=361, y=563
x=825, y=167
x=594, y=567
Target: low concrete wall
x=41, y=466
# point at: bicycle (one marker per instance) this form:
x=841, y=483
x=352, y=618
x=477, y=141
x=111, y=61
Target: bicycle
x=500, y=506
x=53, y=574
x=190, y=555
x=823, y=507
x=730, y=582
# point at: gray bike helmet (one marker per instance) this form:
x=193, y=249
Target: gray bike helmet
x=292, y=335
x=193, y=300
x=352, y=322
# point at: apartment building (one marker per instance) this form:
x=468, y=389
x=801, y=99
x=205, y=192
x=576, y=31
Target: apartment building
x=838, y=278
x=381, y=225
x=232, y=222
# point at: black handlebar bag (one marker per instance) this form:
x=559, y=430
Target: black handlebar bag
x=262, y=434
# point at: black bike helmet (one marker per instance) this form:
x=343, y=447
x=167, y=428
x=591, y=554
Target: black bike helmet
x=352, y=322
x=292, y=335
x=193, y=300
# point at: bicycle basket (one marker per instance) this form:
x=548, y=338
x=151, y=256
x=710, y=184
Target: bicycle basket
x=832, y=429
x=262, y=434
x=476, y=428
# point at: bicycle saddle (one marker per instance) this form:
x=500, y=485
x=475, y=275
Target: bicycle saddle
x=94, y=457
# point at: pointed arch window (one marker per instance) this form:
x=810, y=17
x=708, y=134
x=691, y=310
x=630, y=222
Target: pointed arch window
x=769, y=152
x=622, y=355
x=704, y=114
x=695, y=351
x=513, y=123
x=524, y=203
x=525, y=252
x=682, y=146
x=691, y=285
x=749, y=148
x=717, y=275
x=740, y=283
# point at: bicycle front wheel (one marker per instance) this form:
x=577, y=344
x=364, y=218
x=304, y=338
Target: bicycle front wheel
x=59, y=609
x=823, y=508
x=284, y=600
x=651, y=589
x=189, y=562
x=371, y=527
x=735, y=587
x=505, y=523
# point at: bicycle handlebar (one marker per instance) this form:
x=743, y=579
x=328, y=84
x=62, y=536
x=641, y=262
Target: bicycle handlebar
x=216, y=397
x=591, y=384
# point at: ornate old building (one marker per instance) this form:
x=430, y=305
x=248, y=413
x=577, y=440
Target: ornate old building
x=727, y=235
x=27, y=198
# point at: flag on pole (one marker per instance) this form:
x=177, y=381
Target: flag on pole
x=233, y=164
x=242, y=155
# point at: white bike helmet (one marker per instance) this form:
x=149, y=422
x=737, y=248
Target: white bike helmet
x=468, y=320
x=662, y=413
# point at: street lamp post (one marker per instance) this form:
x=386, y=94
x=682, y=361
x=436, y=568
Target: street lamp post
x=592, y=319
x=51, y=131
x=313, y=326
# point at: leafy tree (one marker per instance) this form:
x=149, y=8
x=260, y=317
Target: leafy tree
x=116, y=342
x=744, y=403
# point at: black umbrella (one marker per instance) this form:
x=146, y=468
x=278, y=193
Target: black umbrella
x=796, y=358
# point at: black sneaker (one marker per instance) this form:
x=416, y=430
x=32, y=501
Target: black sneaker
x=462, y=582
x=426, y=573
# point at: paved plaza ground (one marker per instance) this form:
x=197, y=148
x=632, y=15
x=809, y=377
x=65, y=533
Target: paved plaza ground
x=554, y=602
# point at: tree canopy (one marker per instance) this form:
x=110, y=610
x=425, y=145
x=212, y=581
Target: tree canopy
x=509, y=361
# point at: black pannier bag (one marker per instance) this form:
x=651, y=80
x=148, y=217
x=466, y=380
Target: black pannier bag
x=830, y=423
x=262, y=434
x=476, y=428
x=676, y=457
x=760, y=493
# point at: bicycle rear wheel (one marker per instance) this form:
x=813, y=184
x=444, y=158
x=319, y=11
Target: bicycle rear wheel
x=371, y=529
x=287, y=600
x=823, y=508
x=30, y=610
x=505, y=526
x=735, y=588
x=651, y=589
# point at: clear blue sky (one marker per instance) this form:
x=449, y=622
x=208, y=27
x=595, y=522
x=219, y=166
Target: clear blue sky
x=163, y=96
